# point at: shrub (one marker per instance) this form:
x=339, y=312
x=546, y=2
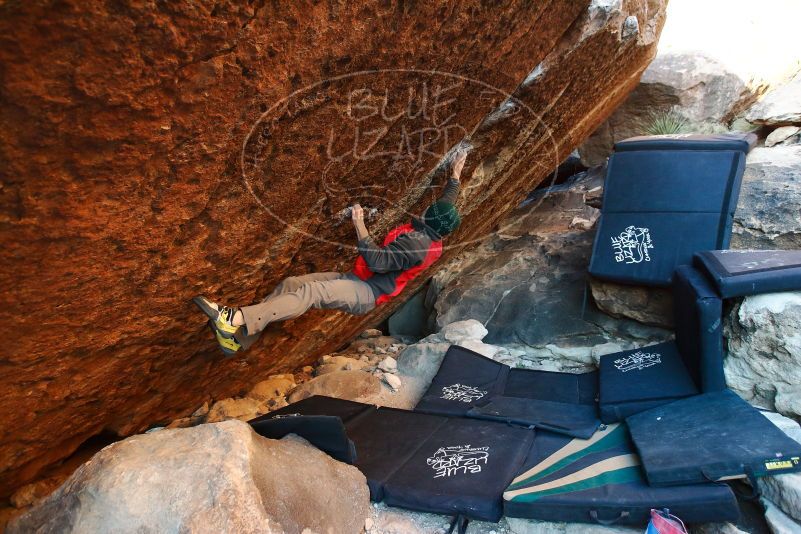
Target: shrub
x=664, y=123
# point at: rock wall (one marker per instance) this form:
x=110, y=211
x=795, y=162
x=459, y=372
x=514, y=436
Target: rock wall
x=709, y=81
x=763, y=364
x=767, y=215
x=694, y=87
x=153, y=151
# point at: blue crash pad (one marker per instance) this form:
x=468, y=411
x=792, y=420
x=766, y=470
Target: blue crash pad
x=737, y=273
x=710, y=437
x=743, y=142
x=664, y=200
x=600, y=480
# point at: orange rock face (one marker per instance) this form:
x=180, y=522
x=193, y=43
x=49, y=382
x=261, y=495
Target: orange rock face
x=152, y=151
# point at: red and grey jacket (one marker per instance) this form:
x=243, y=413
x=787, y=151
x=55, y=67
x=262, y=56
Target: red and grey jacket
x=407, y=251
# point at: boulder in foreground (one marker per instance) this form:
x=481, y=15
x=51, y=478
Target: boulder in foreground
x=216, y=478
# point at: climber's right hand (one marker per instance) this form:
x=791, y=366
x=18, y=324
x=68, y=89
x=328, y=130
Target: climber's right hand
x=357, y=213
x=458, y=163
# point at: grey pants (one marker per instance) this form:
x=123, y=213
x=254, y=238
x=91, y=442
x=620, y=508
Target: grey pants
x=296, y=294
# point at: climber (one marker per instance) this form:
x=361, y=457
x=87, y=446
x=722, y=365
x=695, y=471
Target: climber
x=379, y=273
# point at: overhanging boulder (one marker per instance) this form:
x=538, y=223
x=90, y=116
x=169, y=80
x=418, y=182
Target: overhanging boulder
x=154, y=151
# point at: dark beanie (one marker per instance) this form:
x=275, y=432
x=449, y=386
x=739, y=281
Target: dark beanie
x=442, y=217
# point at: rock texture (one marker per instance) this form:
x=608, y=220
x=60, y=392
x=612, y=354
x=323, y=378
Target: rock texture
x=781, y=494
x=781, y=106
x=695, y=87
x=220, y=478
x=524, y=526
x=528, y=286
x=767, y=215
x=783, y=135
x=351, y=385
x=153, y=151
x=648, y=305
x=389, y=520
x=764, y=351
x=778, y=521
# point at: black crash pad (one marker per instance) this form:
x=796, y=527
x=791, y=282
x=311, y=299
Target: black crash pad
x=742, y=142
x=386, y=440
x=636, y=380
x=600, y=480
x=698, y=318
x=320, y=405
x=326, y=432
x=319, y=420
x=462, y=468
x=566, y=418
x=709, y=437
x=431, y=463
x=664, y=200
x=737, y=273
x=471, y=384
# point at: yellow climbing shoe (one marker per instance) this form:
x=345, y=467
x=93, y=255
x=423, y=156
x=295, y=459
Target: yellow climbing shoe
x=228, y=345
x=221, y=316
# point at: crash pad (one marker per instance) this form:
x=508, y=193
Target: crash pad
x=710, y=437
x=636, y=380
x=470, y=384
x=664, y=200
x=600, y=480
x=698, y=319
x=429, y=463
x=738, y=273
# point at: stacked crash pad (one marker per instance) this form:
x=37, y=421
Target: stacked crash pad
x=686, y=427
x=633, y=381
x=636, y=380
x=738, y=273
x=665, y=198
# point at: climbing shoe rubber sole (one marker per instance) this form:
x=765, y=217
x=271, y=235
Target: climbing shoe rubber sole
x=228, y=345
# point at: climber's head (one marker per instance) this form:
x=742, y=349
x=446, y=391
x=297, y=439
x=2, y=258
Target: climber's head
x=442, y=217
